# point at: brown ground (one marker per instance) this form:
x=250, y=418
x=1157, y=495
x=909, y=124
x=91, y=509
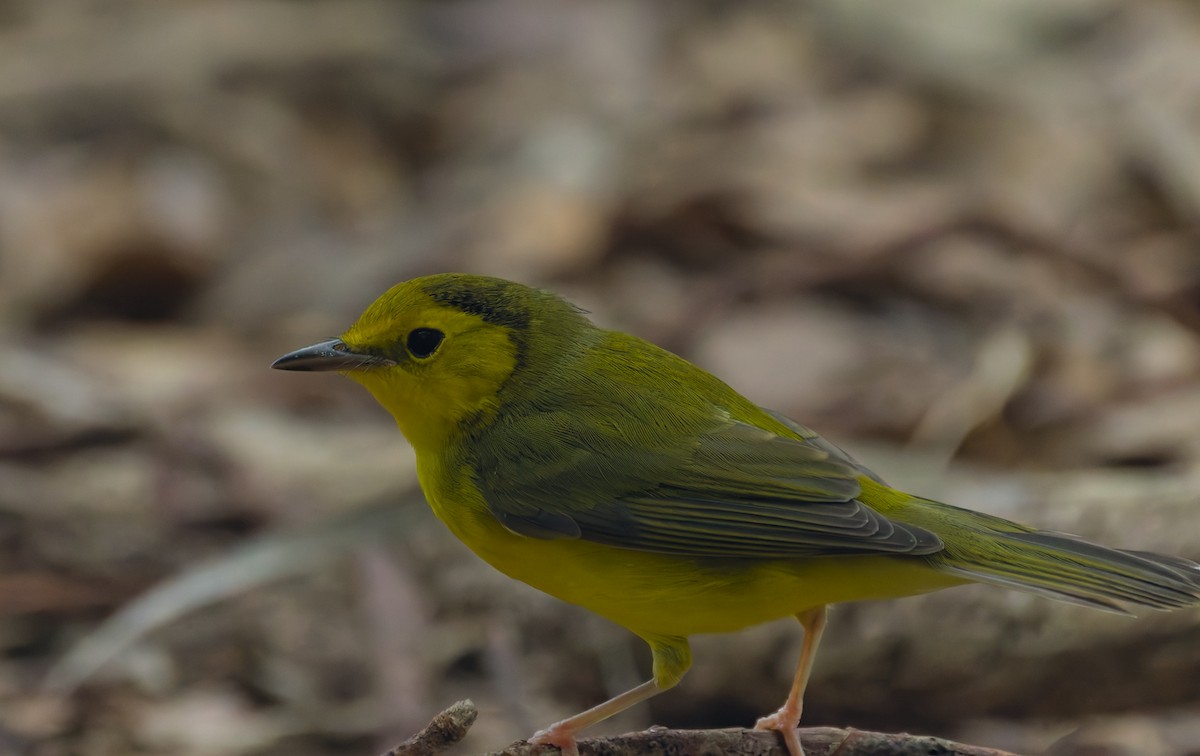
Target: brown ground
x=940, y=233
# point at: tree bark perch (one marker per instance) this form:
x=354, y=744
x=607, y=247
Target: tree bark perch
x=452, y=724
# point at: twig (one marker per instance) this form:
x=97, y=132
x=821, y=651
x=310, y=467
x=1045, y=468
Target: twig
x=445, y=730
x=451, y=725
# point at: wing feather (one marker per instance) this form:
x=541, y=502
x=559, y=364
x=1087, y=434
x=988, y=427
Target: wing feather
x=734, y=491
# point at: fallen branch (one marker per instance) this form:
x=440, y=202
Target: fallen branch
x=443, y=731
x=451, y=725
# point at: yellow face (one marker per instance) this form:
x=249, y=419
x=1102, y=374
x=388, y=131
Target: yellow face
x=441, y=367
x=437, y=351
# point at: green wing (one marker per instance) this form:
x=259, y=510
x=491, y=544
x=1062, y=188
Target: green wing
x=734, y=490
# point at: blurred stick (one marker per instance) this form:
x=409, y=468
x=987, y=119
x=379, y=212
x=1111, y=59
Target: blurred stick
x=1002, y=366
x=398, y=622
x=451, y=726
x=260, y=561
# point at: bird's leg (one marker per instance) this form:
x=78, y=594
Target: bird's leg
x=672, y=657
x=788, y=717
x=562, y=734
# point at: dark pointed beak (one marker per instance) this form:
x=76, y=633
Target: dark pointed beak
x=332, y=355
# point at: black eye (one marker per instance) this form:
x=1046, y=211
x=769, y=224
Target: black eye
x=423, y=342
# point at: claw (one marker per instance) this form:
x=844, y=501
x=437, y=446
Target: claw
x=785, y=723
x=559, y=736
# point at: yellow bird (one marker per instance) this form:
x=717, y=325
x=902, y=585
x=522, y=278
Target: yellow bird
x=612, y=474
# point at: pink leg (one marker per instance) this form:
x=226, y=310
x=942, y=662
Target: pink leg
x=788, y=717
x=562, y=734
x=672, y=657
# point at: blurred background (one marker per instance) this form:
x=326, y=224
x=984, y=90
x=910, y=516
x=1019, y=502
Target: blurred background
x=958, y=238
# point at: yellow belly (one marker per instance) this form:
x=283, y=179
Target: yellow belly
x=667, y=595
x=655, y=594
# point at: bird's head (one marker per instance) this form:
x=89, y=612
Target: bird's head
x=438, y=351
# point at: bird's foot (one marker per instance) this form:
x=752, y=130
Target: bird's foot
x=785, y=721
x=557, y=735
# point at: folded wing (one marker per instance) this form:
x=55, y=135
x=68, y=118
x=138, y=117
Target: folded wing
x=733, y=491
